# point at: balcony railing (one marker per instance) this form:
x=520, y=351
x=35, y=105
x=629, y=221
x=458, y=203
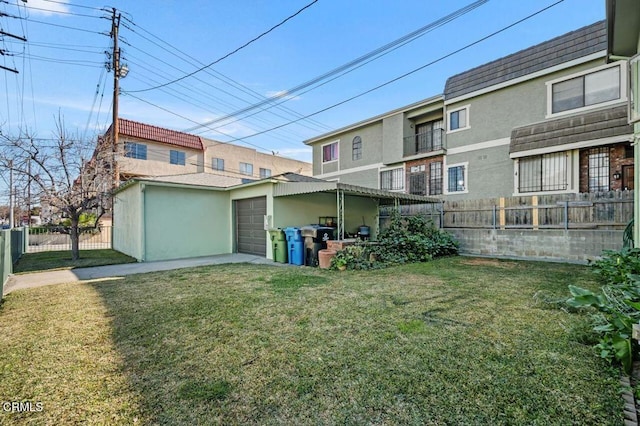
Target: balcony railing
x=424, y=142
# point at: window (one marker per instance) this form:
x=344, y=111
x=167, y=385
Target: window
x=177, y=157
x=330, y=152
x=457, y=179
x=135, y=150
x=217, y=164
x=599, y=169
x=590, y=89
x=265, y=173
x=429, y=136
x=356, y=148
x=392, y=180
x=435, y=178
x=246, y=169
x=543, y=173
x=459, y=119
x=417, y=180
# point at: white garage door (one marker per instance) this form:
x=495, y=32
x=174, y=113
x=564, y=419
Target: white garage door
x=250, y=234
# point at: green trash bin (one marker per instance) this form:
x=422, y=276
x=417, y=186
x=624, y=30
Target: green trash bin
x=279, y=245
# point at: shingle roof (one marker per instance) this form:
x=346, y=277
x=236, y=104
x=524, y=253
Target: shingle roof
x=593, y=125
x=159, y=134
x=567, y=47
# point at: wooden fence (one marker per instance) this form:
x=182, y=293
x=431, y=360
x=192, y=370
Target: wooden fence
x=607, y=210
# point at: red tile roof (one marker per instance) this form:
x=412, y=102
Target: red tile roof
x=159, y=134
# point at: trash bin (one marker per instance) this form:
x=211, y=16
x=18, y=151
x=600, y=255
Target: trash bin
x=279, y=245
x=315, y=239
x=295, y=246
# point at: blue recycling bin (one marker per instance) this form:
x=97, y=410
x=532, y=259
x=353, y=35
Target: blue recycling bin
x=295, y=245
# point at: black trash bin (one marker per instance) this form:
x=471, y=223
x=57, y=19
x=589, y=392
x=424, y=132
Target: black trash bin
x=315, y=239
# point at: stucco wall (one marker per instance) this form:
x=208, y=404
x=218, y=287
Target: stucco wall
x=157, y=162
x=127, y=222
x=485, y=145
x=184, y=222
x=233, y=155
x=393, y=130
x=578, y=246
x=490, y=173
x=371, y=136
x=493, y=115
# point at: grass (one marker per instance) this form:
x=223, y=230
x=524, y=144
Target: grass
x=47, y=260
x=453, y=341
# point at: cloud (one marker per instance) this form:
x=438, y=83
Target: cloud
x=282, y=94
x=41, y=7
x=302, y=154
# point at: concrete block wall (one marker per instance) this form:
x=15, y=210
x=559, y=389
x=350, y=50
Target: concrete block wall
x=574, y=245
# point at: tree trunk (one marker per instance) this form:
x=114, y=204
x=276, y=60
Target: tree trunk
x=75, y=239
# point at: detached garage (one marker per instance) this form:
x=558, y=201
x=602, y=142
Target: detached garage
x=175, y=217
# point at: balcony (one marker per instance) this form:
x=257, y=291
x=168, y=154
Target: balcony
x=424, y=142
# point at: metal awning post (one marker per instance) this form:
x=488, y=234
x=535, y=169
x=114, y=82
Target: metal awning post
x=340, y=206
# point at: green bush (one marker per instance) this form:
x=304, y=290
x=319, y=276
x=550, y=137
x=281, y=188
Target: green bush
x=617, y=306
x=412, y=239
x=405, y=240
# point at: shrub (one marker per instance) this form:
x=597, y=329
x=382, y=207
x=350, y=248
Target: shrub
x=616, y=306
x=405, y=240
x=412, y=239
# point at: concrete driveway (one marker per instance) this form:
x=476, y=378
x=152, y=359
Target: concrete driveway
x=39, y=279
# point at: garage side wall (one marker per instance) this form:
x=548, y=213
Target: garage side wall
x=185, y=222
x=127, y=222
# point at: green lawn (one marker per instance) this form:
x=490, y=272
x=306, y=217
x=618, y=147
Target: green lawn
x=47, y=260
x=453, y=341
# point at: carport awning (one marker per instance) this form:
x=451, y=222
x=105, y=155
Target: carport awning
x=385, y=197
x=283, y=189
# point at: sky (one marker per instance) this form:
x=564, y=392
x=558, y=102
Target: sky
x=260, y=49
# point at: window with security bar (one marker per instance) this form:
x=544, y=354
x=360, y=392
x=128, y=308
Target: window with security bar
x=541, y=173
x=418, y=180
x=435, y=178
x=599, y=169
x=392, y=180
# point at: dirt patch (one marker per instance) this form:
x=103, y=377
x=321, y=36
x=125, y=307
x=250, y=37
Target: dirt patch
x=490, y=262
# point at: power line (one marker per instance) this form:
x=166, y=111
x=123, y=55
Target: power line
x=230, y=53
x=243, y=139
x=67, y=27
x=213, y=73
x=376, y=53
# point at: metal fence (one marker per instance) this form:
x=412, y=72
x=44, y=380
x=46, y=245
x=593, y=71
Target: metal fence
x=57, y=239
x=12, y=247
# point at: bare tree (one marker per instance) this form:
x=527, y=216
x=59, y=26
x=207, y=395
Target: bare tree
x=66, y=174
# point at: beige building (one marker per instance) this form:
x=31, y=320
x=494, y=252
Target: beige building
x=146, y=151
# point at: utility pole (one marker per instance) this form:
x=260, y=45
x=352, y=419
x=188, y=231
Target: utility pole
x=5, y=34
x=115, y=128
x=29, y=192
x=11, y=207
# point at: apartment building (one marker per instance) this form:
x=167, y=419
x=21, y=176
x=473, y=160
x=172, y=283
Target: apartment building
x=551, y=118
x=145, y=150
